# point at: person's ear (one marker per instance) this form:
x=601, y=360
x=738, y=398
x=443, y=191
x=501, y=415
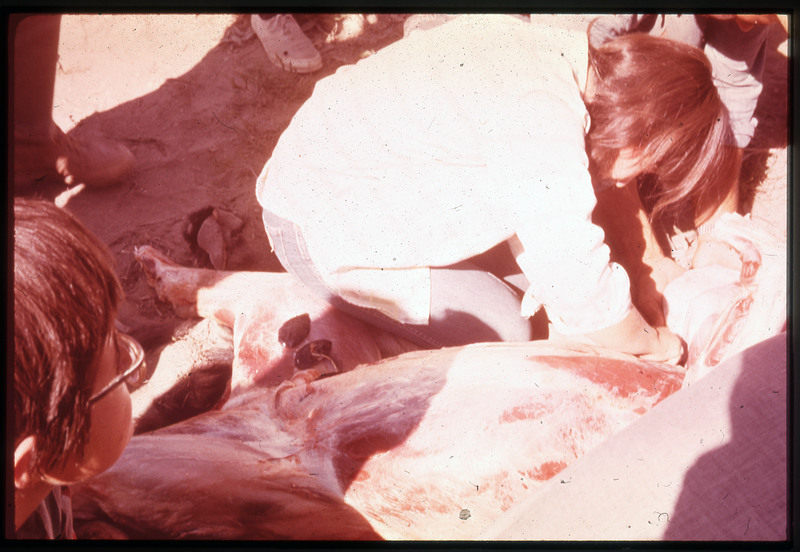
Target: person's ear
x=23, y=454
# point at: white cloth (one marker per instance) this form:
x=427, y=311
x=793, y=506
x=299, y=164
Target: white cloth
x=439, y=147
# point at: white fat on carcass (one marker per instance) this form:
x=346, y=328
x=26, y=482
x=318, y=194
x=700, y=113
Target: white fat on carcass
x=720, y=311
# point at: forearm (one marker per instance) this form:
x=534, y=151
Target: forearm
x=633, y=335
x=634, y=245
x=709, y=250
x=628, y=232
x=729, y=204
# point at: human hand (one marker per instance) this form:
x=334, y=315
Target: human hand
x=670, y=348
x=747, y=21
x=634, y=336
x=665, y=270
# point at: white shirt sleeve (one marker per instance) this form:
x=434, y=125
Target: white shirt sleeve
x=568, y=266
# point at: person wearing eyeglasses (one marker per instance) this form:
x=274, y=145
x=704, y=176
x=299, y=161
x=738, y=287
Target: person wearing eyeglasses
x=72, y=367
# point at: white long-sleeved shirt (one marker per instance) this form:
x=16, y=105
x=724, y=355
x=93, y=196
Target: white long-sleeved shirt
x=439, y=147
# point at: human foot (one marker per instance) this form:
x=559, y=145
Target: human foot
x=95, y=163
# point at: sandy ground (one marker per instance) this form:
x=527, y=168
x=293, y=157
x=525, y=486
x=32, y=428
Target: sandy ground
x=198, y=103
x=196, y=100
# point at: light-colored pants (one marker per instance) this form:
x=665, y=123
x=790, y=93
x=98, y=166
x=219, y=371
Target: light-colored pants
x=468, y=304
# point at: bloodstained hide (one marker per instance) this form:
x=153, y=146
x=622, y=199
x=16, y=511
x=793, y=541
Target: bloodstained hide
x=423, y=445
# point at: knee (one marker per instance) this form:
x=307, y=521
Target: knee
x=469, y=305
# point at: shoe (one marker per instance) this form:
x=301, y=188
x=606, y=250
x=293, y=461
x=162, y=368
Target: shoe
x=286, y=44
x=97, y=163
x=425, y=21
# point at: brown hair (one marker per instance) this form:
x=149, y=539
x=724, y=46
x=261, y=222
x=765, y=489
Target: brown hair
x=66, y=295
x=657, y=97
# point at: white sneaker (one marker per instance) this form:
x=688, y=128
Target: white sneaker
x=425, y=21
x=285, y=44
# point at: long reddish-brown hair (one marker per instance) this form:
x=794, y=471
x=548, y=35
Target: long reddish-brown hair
x=657, y=96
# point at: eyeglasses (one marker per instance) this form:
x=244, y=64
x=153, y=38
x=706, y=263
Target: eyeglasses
x=293, y=332
x=130, y=366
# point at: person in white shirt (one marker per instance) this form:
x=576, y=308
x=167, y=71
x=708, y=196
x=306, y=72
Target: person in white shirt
x=736, y=48
x=401, y=172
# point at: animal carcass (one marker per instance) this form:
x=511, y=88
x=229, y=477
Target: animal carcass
x=429, y=444
x=423, y=445
x=721, y=310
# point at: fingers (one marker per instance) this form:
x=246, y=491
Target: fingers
x=671, y=349
x=747, y=21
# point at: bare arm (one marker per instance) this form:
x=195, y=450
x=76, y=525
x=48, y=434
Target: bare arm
x=709, y=248
x=635, y=336
x=633, y=244
x=748, y=21
x=730, y=203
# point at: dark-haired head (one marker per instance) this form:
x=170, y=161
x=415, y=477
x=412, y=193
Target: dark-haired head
x=66, y=296
x=656, y=99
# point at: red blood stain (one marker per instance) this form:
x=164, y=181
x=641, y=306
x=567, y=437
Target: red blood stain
x=546, y=471
x=620, y=377
x=526, y=412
